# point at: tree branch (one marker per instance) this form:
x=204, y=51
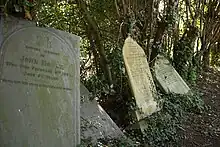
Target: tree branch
x=99, y=44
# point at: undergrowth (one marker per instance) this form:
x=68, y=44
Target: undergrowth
x=164, y=127
x=106, y=142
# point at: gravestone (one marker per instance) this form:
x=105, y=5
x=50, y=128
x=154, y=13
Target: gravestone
x=9, y=24
x=168, y=78
x=140, y=78
x=95, y=122
x=84, y=93
x=39, y=88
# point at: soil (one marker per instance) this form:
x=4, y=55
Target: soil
x=203, y=130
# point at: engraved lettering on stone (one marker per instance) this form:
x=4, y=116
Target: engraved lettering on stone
x=40, y=68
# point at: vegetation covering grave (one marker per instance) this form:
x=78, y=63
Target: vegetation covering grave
x=186, y=31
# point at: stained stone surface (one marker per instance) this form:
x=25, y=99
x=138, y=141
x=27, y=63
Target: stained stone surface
x=140, y=78
x=95, y=122
x=10, y=24
x=39, y=88
x=168, y=78
x=84, y=93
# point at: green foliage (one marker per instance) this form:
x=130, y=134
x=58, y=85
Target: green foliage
x=164, y=126
x=184, y=60
x=97, y=86
x=63, y=16
x=108, y=142
x=192, y=75
x=215, y=56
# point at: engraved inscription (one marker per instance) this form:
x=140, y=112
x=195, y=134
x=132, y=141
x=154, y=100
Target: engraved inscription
x=39, y=68
x=140, y=78
x=169, y=77
x=29, y=60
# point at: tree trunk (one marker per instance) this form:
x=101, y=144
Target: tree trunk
x=206, y=58
x=157, y=41
x=215, y=54
x=99, y=44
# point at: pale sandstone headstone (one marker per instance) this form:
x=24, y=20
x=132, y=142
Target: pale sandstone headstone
x=140, y=78
x=168, y=78
x=39, y=88
x=95, y=122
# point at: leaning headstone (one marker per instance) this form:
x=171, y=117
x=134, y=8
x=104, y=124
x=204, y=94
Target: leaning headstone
x=84, y=93
x=39, y=88
x=95, y=122
x=140, y=78
x=168, y=78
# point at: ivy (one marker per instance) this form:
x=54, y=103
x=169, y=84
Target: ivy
x=164, y=127
x=108, y=142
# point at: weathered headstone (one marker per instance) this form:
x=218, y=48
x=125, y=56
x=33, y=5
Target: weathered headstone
x=39, y=88
x=10, y=24
x=168, y=78
x=95, y=122
x=84, y=93
x=140, y=78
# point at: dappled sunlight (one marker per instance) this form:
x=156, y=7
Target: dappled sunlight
x=109, y=73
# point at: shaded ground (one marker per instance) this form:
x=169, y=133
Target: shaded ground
x=201, y=130
x=204, y=130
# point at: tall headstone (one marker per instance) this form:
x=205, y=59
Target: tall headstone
x=95, y=122
x=168, y=78
x=140, y=78
x=39, y=88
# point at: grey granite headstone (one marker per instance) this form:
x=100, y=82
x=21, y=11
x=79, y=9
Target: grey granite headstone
x=168, y=78
x=39, y=88
x=10, y=24
x=95, y=122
